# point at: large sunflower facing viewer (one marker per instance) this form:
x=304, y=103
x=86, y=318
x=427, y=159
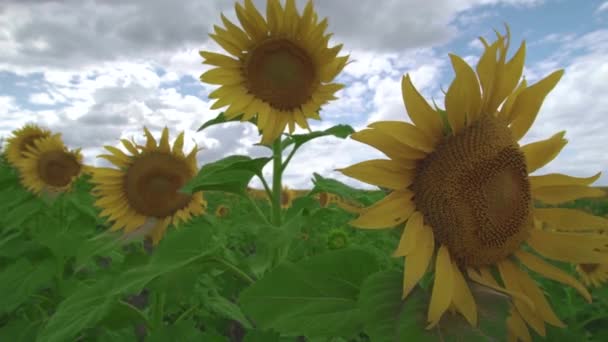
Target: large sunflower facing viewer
x=467, y=196
x=143, y=195
x=280, y=67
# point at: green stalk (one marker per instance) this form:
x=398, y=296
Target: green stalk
x=276, y=181
x=232, y=268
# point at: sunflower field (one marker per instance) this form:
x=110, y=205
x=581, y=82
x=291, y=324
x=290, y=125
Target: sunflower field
x=461, y=241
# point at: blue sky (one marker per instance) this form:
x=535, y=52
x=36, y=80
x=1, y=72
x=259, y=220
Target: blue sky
x=97, y=71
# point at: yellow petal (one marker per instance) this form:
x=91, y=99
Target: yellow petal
x=529, y=101
x=413, y=229
x=509, y=275
x=464, y=95
x=442, y=294
x=510, y=76
x=487, y=69
x=553, y=179
x=485, y=278
x=248, y=23
x=531, y=289
x=257, y=20
x=150, y=141
x=118, y=154
x=566, y=193
x=405, y=133
x=178, y=145
x=417, y=262
x=274, y=16
x=540, y=153
x=222, y=76
x=570, y=247
x=129, y=146
x=237, y=35
x=219, y=60
x=164, y=146
x=570, y=219
x=420, y=112
x=115, y=160
x=380, y=172
x=387, y=145
x=549, y=271
x=462, y=296
x=506, y=112
x=229, y=46
x=517, y=327
x=390, y=211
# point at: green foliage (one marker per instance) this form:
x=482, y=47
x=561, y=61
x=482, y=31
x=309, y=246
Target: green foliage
x=338, y=131
x=221, y=118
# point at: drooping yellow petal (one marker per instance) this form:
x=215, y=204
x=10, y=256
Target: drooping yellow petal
x=509, y=275
x=566, y=193
x=412, y=230
x=484, y=278
x=570, y=219
x=540, y=153
x=553, y=179
x=443, y=287
x=390, y=211
x=531, y=289
x=420, y=112
x=387, y=145
x=405, y=133
x=549, y=271
x=517, y=327
x=529, y=101
x=417, y=262
x=385, y=173
x=569, y=247
x=462, y=296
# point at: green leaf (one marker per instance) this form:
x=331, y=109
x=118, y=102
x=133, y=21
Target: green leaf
x=22, y=279
x=386, y=316
x=262, y=336
x=339, y=131
x=19, y=330
x=231, y=174
x=316, y=297
x=322, y=184
x=228, y=309
x=182, y=331
x=220, y=119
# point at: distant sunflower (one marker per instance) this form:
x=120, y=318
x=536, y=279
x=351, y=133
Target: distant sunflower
x=287, y=197
x=222, y=211
x=142, y=196
x=48, y=166
x=23, y=138
x=279, y=70
x=467, y=195
x=324, y=199
x=593, y=274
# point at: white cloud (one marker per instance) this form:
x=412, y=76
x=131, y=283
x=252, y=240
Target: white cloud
x=42, y=99
x=603, y=7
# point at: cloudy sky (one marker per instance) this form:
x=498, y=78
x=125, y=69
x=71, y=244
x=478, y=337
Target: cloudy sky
x=97, y=71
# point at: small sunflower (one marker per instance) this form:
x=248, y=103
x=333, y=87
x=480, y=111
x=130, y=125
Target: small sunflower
x=222, y=211
x=48, y=166
x=324, y=199
x=142, y=196
x=467, y=195
x=279, y=70
x=337, y=239
x=593, y=274
x=287, y=197
x=23, y=138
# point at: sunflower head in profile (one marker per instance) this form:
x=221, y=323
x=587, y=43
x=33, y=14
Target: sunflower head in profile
x=287, y=197
x=21, y=140
x=222, y=211
x=142, y=196
x=467, y=195
x=278, y=70
x=48, y=167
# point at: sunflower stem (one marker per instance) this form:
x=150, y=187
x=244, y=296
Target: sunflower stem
x=266, y=187
x=276, y=182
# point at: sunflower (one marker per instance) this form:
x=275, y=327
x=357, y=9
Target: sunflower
x=222, y=211
x=324, y=199
x=465, y=191
x=279, y=69
x=23, y=138
x=593, y=274
x=142, y=196
x=47, y=166
x=287, y=197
